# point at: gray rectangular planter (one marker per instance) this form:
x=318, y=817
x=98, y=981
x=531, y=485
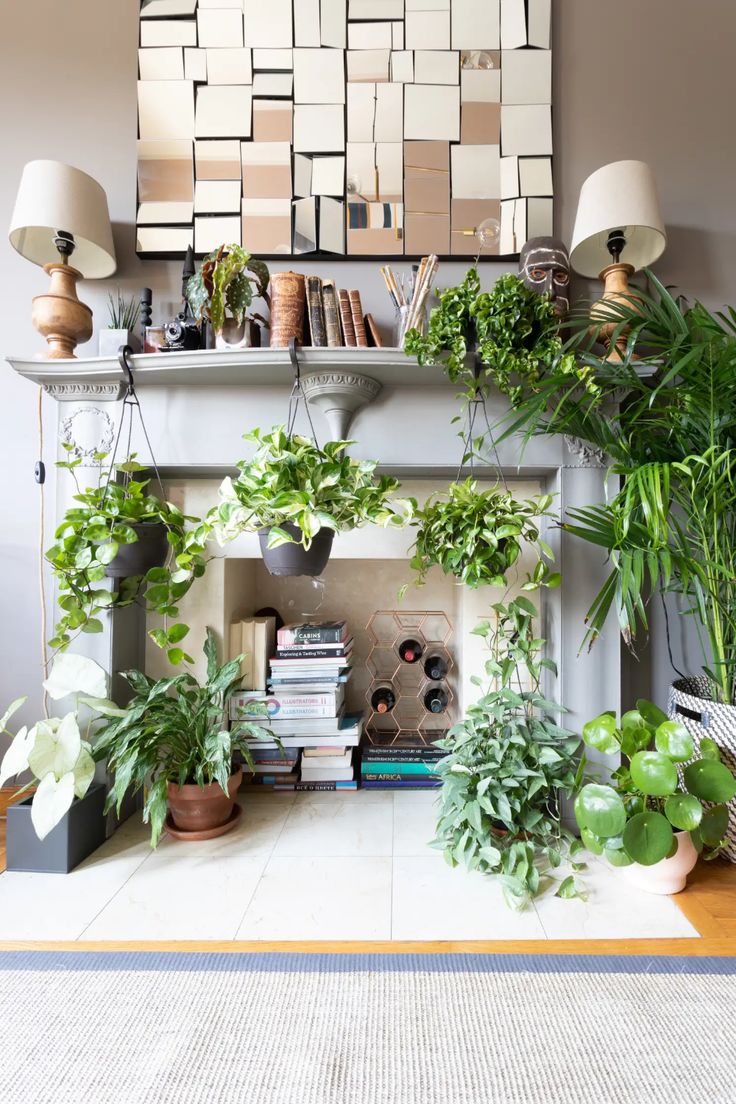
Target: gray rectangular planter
x=75, y=837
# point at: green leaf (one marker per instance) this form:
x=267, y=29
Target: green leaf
x=674, y=740
x=177, y=633
x=600, y=733
x=710, y=781
x=617, y=856
x=600, y=810
x=594, y=843
x=176, y=656
x=709, y=749
x=714, y=826
x=683, y=811
x=158, y=636
x=653, y=773
x=648, y=838
x=106, y=553
x=567, y=888
x=651, y=713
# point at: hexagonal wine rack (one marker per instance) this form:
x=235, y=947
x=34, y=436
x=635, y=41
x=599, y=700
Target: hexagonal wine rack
x=409, y=722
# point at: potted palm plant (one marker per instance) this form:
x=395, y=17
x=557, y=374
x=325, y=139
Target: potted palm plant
x=63, y=821
x=663, y=807
x=509, y=765
x=296, y=496
x=120, y=530
x=174, y=742
x=671, y=528
x=222, y=291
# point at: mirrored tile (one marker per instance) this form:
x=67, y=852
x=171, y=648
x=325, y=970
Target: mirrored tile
x=161, y=9
x=319, y=128
x=166, y=109
x=319, y=76
x=437, y=67
x=476, y=25
x=273, y=120
x=328, y=176
x=273, y=84
x=476, y=172
x=302, y=175
x=480, y=59
x=540, y=13
x=402, y=66
x=375, y=229
x=331, y=225
x=211, y=233
x=269, y=25
x=160, y=240
x=526, y=129
x=215, y=197
x=427, y=5
x=169, y=32
x=427, y=233
x=368, y=65
x=467, y=215
x=432, y=112
x=164, y=213
x=510, y=178
x=427, y=30
x=535, y=175
x=513, y=226
x=370, y=36
x=480, y=85
x=223, y=111
x=397, y=35
x=480, y=124
x=305, y=225
x=164, y=63
x=539, y=218
x=389, y=124
x=375, y=9
x=513, y=24
x=526, y=76
x=273, y=60
x=218, y=160
x=221, y=27
x=361, y=112
x=266, y=170
x=229, y=66
x=165, y=171
x=333, y=28
x=195, y=64
x=306, y=23
x=267, y=225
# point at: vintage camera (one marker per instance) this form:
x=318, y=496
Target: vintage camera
x=181, y=333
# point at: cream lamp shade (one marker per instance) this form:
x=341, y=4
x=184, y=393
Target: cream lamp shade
x=621, y=196
x=54, y=197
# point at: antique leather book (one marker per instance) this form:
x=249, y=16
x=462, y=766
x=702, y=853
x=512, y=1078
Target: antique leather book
x=332, y=313
x=316, y=311
x=346, y=316
x=356, y=309
x=288, y=305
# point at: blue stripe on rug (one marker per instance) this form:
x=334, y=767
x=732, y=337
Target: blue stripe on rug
x=280, y=962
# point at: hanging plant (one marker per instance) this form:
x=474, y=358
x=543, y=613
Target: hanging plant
x=227, y=282
x=292, y=492
x=511, y=328
x=478, y=536
x=120, y=530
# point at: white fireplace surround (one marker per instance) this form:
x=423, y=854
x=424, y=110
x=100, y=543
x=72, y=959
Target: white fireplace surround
x=198, y=405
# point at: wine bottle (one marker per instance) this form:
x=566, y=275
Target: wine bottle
x=435, y=700
x=383, y=699
x=435, y=667
x=410, y=651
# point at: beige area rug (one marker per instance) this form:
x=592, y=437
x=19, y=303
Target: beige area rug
x=163, y=1028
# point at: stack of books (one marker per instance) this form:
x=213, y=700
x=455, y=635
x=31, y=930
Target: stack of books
x=273, y=767
x=305, y=704
x=400, y=767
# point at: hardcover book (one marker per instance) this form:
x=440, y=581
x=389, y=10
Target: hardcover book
x=312, y=632
x=346, y=317
x=316, y=311
x=332, y=313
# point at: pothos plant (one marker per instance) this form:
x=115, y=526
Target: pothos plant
x=511, y=329
x=54, y=750
x=89, y=538
x=508, y=767
x=478, y=535
x=227, y=282
x=290, y=479
x=658, y=789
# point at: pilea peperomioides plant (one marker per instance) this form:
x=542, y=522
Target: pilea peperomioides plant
x=634, y=819
x=111, y=516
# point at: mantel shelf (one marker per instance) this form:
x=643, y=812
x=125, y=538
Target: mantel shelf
x=215, y=367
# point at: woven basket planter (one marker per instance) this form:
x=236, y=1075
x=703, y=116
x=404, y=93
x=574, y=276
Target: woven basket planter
x=690, y=702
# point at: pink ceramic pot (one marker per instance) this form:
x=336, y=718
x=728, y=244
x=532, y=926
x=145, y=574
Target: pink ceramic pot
x=667, y=876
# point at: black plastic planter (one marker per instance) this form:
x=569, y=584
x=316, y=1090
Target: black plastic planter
x=75, y=837
x=295, y=559
x=150, y=550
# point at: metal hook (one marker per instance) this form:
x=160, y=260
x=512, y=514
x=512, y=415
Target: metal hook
x=294, y=359
x=124, y=353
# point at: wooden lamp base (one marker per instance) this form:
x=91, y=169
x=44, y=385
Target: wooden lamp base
x=59, y=316
x=616, y=293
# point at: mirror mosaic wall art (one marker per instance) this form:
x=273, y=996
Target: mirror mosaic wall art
x=354, y=128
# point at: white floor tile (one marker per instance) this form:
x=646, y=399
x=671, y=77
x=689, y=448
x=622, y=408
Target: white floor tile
x=59, y=906
x=342, y=826
x=613, y=910
x=415, y=822
x=433, y=901
x=321, y=898
x=191, y=890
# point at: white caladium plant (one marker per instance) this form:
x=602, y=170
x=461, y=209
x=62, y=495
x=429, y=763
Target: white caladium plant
x=54, y=750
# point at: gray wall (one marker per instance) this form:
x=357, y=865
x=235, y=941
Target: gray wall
x=647, y=80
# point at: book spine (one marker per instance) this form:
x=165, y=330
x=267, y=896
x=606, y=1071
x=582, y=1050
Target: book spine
x=332, y=314
x=346, y=317
x=288, y=304
x=316, y=311
x=387, y=755
x=396, y=770
x=326, y=786
x=401, y=784
x=311, y=634
x=356, y=310
x=311, y=653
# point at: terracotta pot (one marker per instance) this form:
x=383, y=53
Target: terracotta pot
x=196, y=809
x=293, y=558
x=667, y=876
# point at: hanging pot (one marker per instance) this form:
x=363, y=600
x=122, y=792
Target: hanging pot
x=668, y=875
x=690, y=702
x=294, y=558
x=149, y=550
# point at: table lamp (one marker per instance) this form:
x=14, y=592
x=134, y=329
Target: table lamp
x=61, y=212
x=618, y=230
